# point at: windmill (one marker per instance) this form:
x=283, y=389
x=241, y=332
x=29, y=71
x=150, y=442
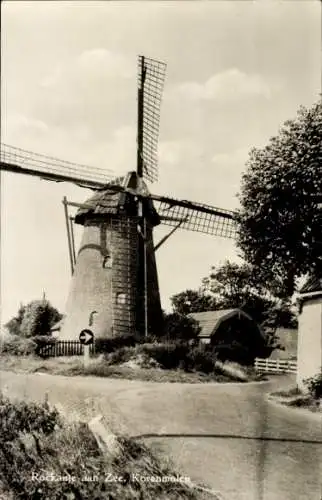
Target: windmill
x=114, y=285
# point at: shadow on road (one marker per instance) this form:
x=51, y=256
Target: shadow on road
x=226, y=436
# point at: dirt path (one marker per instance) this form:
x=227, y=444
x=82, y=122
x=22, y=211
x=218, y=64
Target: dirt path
x=227, y=435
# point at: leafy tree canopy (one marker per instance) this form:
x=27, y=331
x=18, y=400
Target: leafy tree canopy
x=35, y=318
x=280, y=224
x=181, y=327
x=14, y=324
x=235, y=286
x=191, y=301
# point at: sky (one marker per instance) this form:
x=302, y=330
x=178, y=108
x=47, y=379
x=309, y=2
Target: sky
x=236, y=70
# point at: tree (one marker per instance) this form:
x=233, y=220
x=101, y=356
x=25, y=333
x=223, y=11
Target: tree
x=36, y=318
x=280, y=224
x=180, y=327
x=232, y=286
x=191, y=301
x=14, y=324
x=235, y=286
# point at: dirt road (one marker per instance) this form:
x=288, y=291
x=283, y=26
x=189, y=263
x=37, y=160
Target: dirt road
x=227, y=435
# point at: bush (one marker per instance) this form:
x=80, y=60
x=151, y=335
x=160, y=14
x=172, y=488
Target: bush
x=42, y=341
x=314, y=385
x=108, y=345
x=167, y=355
x=121, y=355
x=21, y=346
x=200, y=358
x=236, y=352
x=25, y=417
x=180, y=355
x=18, y=346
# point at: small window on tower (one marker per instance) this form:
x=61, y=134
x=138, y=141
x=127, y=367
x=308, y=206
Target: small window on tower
x=121, y=298
x=107, y=262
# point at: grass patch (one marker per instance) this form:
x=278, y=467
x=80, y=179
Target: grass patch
x=302, y=402
x=286, y=393
x=101, y=367
x=294, y=398
x=32, y=364
x=146, y=374
x=57, y=460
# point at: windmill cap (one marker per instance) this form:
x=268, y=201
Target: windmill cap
x=109, y=202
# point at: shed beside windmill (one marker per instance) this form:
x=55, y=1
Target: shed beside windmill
x=235, y=334
x=309, y=354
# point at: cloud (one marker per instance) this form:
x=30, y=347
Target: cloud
x=77, y=144
x=174, y=152
x=90, y=65
x=96, y=89
x=98, y=59
x=117, y=154
x=18, y=124
x=234, y=160
x=52, y=78
x=230, y=85
x=188, y=170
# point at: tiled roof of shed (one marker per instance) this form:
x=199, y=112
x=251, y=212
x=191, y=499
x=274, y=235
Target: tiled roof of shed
x=210, y=320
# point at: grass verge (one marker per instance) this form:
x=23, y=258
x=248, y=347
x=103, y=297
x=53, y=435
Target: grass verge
x=98, y=367
x=294, y=398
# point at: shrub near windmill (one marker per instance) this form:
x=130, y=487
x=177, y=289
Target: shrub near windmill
x=115, y=271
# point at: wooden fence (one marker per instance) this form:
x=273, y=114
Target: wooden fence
x=275, y=365
x=64, y=348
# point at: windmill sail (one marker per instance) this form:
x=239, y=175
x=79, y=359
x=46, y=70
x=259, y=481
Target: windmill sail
x=151, y=76
x=21, y=161
x=196, y=216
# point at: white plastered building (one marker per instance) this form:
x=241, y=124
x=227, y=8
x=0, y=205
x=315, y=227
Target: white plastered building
x=309, y=353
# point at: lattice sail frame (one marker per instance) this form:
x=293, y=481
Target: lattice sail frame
x=197, y=217
x=23, y=161
x=151, y=74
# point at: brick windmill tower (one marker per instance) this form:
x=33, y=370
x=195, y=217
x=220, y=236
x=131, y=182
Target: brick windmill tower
x=115, y=278
x=114, y=288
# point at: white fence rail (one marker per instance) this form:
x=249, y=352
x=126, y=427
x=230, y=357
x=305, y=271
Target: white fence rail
x=275, y=365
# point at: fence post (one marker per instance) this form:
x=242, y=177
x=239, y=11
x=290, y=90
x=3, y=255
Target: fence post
x=86, y=355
